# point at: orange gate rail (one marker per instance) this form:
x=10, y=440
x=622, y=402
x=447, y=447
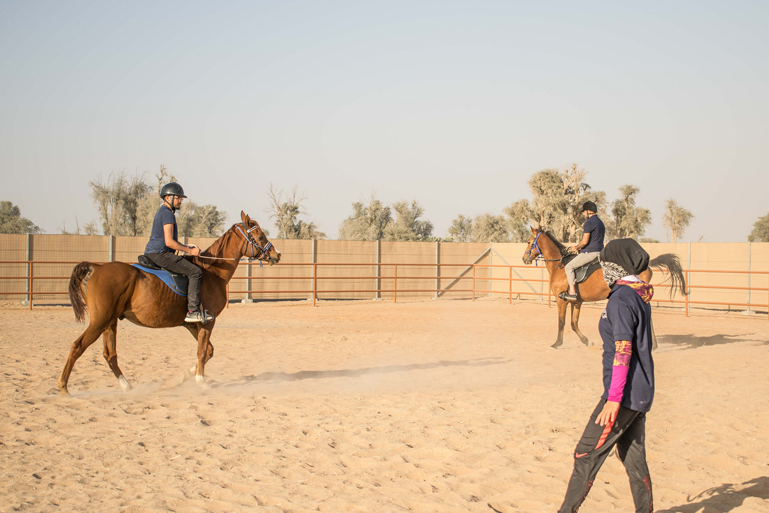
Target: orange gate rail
x=473, y=291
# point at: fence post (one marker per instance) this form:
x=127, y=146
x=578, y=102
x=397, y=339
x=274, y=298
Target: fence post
x=473, y=282
x=688, y=280
x=748, y=311
x=378, y=293
x=491, y=269
x=395, y=283
x=510, y=286
x=314, y=260
x=111, y=248
x=314, y=282
x=249, y=297
x=29, y=270
x=437, y=267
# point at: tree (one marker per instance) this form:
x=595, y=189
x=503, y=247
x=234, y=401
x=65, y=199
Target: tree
x=556, y=206
x=760, y=232
x=118, y=201
x=199, y=220
x=518, y=215
x=461, y=229
x=12, y=222
x=676, y=219
x=88, y=229
x=407, y=226
x=286, y=214
x=127, y=206
x=628, y=220
x=490, y=228
x=368, y=221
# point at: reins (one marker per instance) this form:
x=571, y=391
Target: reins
x=252, y=246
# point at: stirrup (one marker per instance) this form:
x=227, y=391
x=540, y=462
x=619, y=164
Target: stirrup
x=202, y=317
x=567, y=297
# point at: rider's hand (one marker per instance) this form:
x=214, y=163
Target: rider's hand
x=573, y=249
x=194, y=250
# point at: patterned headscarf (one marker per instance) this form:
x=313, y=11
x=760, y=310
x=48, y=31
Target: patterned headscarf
x=612, y=272
x=623, y=257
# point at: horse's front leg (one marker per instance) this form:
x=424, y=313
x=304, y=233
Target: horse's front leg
x=576, y=307
x=561, y=321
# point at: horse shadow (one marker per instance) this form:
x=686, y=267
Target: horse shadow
x=368, y=371
x=724, y=498
x=694, y=341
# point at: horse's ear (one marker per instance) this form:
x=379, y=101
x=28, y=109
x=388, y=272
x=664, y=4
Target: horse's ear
x=244, y=218
x=534, y=230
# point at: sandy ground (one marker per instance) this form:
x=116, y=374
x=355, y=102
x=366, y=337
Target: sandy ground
x=371, y=406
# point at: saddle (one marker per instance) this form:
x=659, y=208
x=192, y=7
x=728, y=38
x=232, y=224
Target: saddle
x=584, y=272
x=176, y=282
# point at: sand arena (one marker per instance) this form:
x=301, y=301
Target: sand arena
x=371, y=406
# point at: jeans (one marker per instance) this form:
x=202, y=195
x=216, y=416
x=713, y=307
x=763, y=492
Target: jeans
x=177, y=264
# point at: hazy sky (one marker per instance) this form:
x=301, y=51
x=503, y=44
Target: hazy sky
x=454, y=104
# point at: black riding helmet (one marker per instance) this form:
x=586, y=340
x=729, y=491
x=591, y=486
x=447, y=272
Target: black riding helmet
x=172, y=189
x=589, y=205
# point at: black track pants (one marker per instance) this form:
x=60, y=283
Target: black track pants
x=177, y=264
x=628, y=433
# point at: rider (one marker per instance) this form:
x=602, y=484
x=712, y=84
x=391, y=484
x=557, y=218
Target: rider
x=589, y=247
x=164, y=242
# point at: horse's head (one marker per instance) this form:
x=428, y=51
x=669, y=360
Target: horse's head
x=256, y=244
x=532, y=246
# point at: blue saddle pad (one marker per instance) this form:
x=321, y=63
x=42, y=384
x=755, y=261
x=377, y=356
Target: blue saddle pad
x=176, y=282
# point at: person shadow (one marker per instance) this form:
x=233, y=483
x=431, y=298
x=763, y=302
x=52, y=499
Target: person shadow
x=724, y=498
x=693, y=341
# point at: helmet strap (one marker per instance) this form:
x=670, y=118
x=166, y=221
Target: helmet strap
x=172, y=205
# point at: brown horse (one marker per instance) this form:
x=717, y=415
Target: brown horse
x=116, y=291
x=542, y=244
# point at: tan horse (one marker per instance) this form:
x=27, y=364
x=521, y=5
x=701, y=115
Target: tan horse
x=116, y=291
x=542, y=244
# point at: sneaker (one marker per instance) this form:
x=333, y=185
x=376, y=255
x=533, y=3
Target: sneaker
x=198, y=316
x=567, y=297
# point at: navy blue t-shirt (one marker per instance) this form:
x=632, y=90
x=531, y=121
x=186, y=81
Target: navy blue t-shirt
x=628, y=317
x=157, y=243
x=597, y=230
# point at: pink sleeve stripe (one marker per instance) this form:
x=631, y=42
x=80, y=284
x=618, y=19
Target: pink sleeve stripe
x=622, y=354
x=618, y=380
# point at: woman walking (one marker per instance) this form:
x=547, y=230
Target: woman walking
x=619, y=419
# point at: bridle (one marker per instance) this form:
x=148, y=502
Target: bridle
x=539, y=256
x=252, y=246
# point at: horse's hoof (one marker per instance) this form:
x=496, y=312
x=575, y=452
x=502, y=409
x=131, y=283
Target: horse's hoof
x=586, y=342
x=557, y=345
x=201, y=382
x=124, y=384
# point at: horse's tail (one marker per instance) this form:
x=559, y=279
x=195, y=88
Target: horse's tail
x=672, y=264
x=77, y=286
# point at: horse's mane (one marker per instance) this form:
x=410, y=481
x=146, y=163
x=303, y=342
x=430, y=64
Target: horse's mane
x=561, y=247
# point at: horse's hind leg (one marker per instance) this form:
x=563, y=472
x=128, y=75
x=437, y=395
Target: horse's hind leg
x=82, y=343
x=110, y=354
x=576, y=308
